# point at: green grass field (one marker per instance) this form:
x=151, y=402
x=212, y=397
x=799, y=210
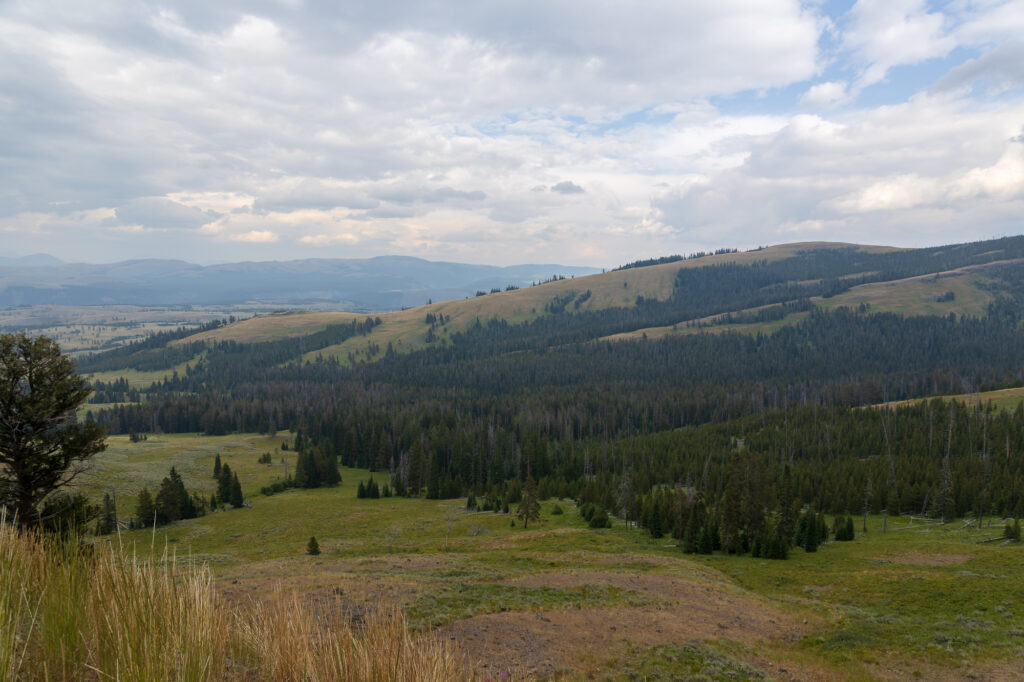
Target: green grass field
x=559, y=598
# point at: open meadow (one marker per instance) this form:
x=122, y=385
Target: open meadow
x=561, y=600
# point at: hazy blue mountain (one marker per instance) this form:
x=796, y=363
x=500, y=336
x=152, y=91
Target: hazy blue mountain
x=385, y=282
x=33, y=260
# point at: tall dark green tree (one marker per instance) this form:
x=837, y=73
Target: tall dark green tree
x=730, y=509
x=529, y=506
x=694, y=525
x=107, y=521
x=236, y=498
x=224, y=484
x=42, y=445
x=145, y=510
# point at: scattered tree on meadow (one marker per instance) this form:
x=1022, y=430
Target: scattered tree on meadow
x=529, y=506
x=145, y=510
x=236, y=498
x=107, y=521
x=312, y=547
x=224, y=484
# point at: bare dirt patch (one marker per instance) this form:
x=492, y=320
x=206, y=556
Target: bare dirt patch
x=545, y=642
x=922, y=559
x=663, y=586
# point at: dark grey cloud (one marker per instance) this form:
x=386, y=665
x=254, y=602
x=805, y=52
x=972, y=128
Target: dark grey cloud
x=1001, y=68
x=155, y=212
x=567, y=187
x=312, y=193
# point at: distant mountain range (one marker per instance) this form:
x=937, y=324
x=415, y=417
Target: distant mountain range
x=382, y=283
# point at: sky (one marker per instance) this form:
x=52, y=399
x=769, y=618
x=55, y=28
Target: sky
x=499, y=131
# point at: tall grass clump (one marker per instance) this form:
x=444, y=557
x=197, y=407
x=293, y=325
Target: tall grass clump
x=73, y=611
x=292, y=646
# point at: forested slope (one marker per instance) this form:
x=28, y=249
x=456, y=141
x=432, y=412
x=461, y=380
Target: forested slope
x=679, y=423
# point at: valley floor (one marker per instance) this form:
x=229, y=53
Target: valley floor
x=561, y=600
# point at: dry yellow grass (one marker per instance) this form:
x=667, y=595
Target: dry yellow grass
x=72, y=612
x=910, y=296
x=273, y=327
x=918, y=295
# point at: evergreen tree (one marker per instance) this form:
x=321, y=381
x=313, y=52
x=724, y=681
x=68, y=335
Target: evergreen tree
x=706, y=543
x=224, y=484
x=312, y=547
x=529, y=507
x=694, y=525
x=302, y=473
x=787, y=517
x=144, y=509
x=42, y=446
x=332, y=474
x=168, y=501
x=107, y=521
x=416, y=459
x=216, y=466
x=655, y=526
x=236, y=499
x=730, y=508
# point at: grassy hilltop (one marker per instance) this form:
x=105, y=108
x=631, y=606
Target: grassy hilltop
x=408, y=330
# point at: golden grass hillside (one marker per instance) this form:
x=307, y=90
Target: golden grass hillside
x=407, y=329
x=921, y=295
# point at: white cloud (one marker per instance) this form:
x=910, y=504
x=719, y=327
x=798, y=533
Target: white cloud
x=255, y=237
x=891, y=194
x=881, y=176
x=826, y=95
x=458, y=129
x=325, y=239
x=888, y=33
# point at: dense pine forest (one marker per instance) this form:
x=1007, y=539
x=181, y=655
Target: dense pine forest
x=719, y=438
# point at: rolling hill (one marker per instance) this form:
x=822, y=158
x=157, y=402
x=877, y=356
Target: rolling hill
x=963, y=290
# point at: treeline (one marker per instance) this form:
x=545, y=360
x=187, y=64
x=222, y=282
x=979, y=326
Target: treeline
x=149, y=353
x=673, y=259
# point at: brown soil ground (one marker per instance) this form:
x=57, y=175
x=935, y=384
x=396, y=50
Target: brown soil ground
x=544, y=643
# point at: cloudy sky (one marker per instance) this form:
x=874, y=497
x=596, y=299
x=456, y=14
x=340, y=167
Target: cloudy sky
x=501, y=131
